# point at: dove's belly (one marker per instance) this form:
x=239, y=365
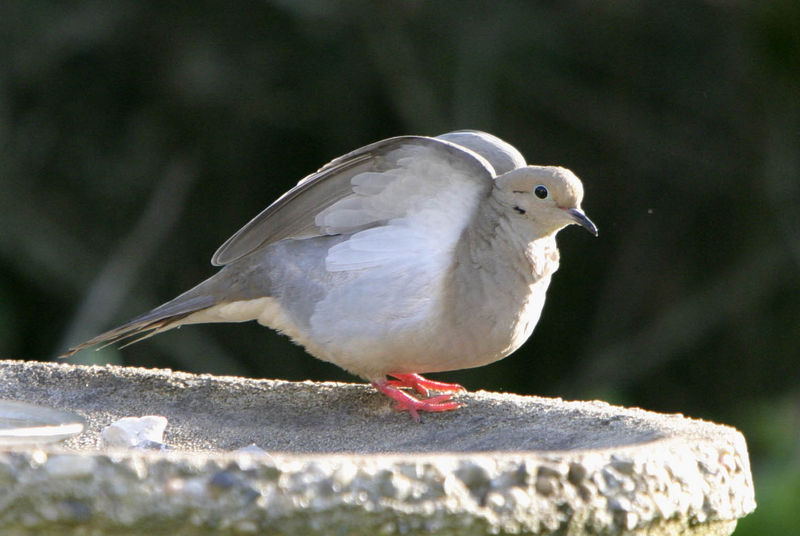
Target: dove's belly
x=480, y=336
x=372, y=340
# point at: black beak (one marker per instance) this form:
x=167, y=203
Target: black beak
x=580, y=218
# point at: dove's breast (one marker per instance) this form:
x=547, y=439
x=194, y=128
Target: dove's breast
x=494, y=304
x=428, y=313
x=478, y=307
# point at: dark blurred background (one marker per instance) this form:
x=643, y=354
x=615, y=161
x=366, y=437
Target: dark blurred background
x=136, y=136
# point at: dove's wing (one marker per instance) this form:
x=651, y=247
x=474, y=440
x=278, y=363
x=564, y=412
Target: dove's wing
x=402, y=180
x=501, y=155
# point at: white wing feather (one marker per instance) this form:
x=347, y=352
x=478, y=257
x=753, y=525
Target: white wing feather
x=419, y=208
x=360, y=189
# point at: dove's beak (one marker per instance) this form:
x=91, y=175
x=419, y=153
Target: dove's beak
x=580, y=218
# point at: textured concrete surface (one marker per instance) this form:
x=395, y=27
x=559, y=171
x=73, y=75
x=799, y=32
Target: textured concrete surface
x=340, y=461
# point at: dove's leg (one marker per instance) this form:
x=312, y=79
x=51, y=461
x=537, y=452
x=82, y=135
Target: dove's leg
x=423, y=385
x=406, y=402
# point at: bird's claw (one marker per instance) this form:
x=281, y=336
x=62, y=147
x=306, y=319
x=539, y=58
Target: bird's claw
x=406, y=402
x=423, y=385
x=433, y=404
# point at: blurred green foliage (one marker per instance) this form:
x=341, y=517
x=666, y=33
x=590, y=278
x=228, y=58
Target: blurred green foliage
x=136, y=136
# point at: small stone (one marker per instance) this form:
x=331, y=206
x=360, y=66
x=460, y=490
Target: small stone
x=475, y=477
x=545, y=485
x=76, y=511
x=620, y=504
x=69, y=466
x=520, y=498
x=224, y=480
x=728, y=461
x=549, y=471
x=622, y=465
x=495, y=501
x=140, y=432
x=344, y=475
x=629, y=520
x=38, y=457
x=577, y=473
x=194, y=487
x=585, y=493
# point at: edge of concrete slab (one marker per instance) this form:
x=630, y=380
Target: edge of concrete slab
x=340, y=460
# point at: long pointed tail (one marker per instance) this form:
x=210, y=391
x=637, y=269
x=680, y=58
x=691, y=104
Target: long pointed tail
x=162, y=318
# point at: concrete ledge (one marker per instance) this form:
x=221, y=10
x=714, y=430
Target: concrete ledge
x=341, y=461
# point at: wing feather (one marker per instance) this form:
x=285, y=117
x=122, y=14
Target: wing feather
x=363, y=188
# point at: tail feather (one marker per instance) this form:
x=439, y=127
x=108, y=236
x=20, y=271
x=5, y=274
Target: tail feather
x=244, y=280
x=162, y=318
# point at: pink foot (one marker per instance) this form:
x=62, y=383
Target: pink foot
x=423, y=385
x=406, y=402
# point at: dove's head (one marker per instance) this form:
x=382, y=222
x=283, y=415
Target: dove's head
x=549, y=196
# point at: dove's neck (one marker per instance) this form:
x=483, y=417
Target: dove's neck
x=510, y=249
x=502, y=270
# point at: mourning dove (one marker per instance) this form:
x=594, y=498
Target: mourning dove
x=410, y=255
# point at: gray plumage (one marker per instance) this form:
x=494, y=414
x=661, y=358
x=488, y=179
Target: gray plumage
x=409, y=255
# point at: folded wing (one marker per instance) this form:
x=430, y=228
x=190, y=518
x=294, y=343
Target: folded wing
x=387, y=191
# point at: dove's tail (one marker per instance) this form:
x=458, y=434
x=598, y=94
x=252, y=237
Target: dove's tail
x=164, y=317
x=237, y=293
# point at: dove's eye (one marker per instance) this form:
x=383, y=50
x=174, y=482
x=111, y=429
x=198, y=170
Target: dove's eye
x=541, y=192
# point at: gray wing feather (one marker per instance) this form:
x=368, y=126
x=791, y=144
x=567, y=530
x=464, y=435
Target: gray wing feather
x=501, y=155
x=292, y=215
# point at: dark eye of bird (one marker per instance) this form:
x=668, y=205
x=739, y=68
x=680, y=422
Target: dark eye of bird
x=540, y=191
